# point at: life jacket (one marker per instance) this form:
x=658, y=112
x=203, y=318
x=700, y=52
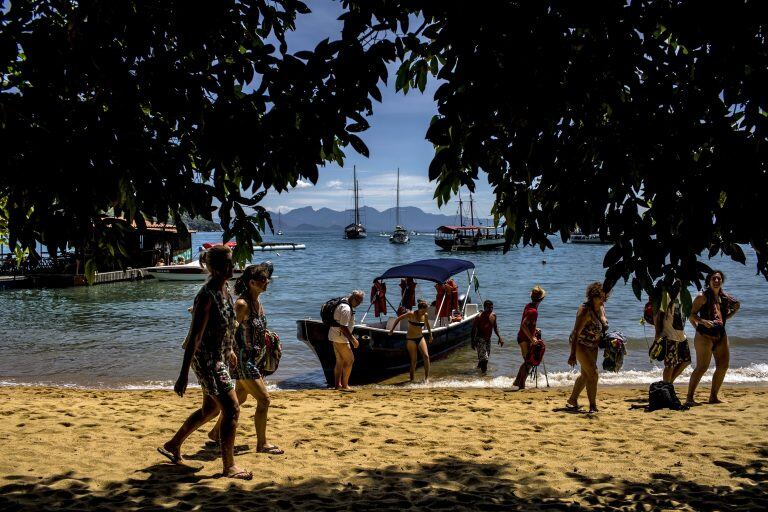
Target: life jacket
x=329, y=308
x=408, y=292
x=536, y=353
x=379, y=298
x=440, y=302
x=450, y=291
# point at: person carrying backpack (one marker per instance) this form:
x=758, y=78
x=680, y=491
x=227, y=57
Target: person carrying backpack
x=670, y=332
x=340, y=315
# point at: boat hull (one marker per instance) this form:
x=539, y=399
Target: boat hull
x=354, y=232
x=452, y=244
x=380, y=356
x=189, y=272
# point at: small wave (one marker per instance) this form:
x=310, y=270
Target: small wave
x=755, y=373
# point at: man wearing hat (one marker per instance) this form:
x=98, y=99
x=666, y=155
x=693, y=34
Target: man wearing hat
x=527, y=332
x=482, y=328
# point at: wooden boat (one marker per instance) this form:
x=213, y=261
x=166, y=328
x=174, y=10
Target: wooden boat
x=468, y=238
x=381, y=356
x=355, y=230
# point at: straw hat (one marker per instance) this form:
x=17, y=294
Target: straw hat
x=538, y=293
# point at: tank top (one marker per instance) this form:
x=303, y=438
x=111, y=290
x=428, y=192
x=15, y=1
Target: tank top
x=250, y=335
x=674, y=325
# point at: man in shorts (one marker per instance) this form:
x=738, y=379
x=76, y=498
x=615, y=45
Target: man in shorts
x=342, y=339
x=482, y=328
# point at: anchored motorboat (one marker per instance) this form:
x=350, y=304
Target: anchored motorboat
x=381, y=356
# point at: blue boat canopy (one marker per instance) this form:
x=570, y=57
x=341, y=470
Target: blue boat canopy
x=437, y=270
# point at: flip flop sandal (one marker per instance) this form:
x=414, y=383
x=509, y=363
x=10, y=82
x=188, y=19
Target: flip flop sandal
x=241, y=475
x=571, y=407
x=171, y=457
x=271, y=450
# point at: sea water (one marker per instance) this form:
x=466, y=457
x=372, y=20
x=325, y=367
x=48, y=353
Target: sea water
x=128, y=335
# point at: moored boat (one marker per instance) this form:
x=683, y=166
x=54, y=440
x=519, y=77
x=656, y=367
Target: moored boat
x=400, y=234
x=594, y=238
x=356, y=230
x=381, y=356
x=468, y=238
x=191, y=271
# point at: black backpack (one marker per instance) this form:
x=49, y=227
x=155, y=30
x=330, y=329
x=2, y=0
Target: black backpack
x=329, y=308
x=661, y=395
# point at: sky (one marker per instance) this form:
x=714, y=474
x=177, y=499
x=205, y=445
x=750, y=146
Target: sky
x=395, y=140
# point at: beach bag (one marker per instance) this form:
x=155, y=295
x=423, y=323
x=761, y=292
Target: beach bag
x=614, y=352
x=271, y=355
x=329, y=308
x=658, y=349
x=536, y=353
x=661, y=395
x=648, y=312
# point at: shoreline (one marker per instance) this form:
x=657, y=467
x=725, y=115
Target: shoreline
x=392, y=449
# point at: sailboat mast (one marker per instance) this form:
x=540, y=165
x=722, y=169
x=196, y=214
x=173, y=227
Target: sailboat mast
x=357, y=210
x=471, y=211
x=397, y=210
x=461, y=212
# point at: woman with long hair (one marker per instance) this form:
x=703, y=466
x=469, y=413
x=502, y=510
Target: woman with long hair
x=585, y=338
x=208, y=351
x=415, y=341
x=249, y=348
x=711, y=309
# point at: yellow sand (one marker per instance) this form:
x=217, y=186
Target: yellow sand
x=388, y=450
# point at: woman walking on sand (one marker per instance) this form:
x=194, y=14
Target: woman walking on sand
x=208, y=349
x=711, y=309
x=249, y=348
x=415, y=337
x=585, y=339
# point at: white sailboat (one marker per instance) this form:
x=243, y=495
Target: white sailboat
x=400, y=234
x=279, y=225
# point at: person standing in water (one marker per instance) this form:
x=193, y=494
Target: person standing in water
x=208, y=351
x=250, y=346
x=585, y=338
x=711, y=309
x=415, y=342
x=670, y=328
x=483, y=326
x=527, y=333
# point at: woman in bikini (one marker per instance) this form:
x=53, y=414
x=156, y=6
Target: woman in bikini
x=711, y=309
x=208, y=351
x=585, y=338
x=415, y=343
x=250, y=347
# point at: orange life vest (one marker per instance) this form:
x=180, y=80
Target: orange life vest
x=379, y=298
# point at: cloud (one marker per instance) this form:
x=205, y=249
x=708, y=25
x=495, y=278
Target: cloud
x=279, y=209
x=303, y=184
x=335, y=184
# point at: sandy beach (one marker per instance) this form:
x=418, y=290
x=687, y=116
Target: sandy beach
x=388, y=449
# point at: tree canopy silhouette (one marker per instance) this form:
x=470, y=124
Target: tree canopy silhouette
x=645, y=121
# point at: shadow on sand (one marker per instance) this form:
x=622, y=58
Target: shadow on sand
x=446, y=484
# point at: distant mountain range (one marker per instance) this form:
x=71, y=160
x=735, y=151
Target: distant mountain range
x=324, y=219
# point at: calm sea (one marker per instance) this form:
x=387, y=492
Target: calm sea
x=129, y=335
